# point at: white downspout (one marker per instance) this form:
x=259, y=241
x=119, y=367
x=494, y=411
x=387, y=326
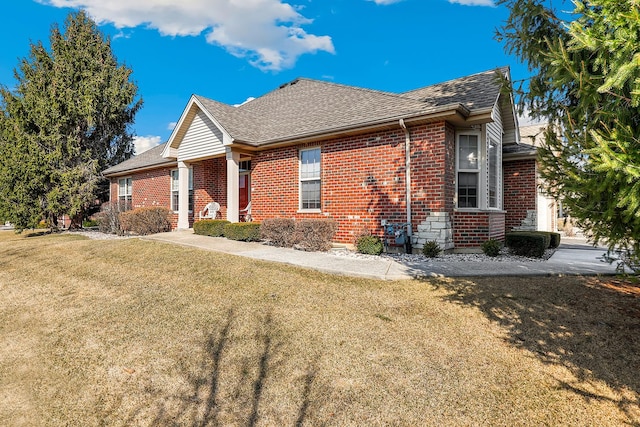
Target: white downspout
x=407, y=171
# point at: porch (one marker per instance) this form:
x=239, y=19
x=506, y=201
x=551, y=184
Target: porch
x=222, y=179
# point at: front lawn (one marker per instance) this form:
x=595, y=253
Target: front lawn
x=133, y=332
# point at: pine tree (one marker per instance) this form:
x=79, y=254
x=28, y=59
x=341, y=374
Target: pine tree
x=66, y=121
x=586, y=84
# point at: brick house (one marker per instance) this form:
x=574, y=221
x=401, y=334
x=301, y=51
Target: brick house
x=431, y=157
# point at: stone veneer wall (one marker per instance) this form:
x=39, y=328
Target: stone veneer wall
x=436, y=227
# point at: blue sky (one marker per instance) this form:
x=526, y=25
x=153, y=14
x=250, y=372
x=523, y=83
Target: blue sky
x=231, y=50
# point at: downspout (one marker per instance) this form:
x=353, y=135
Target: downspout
x=407, y=171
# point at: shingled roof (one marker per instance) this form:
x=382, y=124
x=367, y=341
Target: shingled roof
x=476, y=92
x=519, y=151
x=148, y=159
x=306, y=107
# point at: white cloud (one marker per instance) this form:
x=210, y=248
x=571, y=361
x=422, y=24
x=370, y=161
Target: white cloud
x=384, y=2
x=172, y=125
x=267, y=32
x=249, y=99
x=143, y=143
x=473, y=2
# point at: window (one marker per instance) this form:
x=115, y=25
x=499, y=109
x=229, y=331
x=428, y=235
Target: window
x=493, y=174
x=468, y=170
x=310, y=179
x=175, y=185
x=244, y=166
x=125, y=189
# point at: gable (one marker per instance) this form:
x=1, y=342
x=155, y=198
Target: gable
x=305, y=110
x=201, y=139
x=197, y=135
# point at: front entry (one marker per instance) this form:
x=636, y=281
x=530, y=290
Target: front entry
x=244, y=191
x=243, y=199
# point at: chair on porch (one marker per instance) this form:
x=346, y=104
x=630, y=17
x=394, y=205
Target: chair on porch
x=245, y=214
x=210, y=211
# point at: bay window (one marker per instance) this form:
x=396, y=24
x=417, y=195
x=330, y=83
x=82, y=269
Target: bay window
x=493, y=173
x=478, y=170
x=468, y=170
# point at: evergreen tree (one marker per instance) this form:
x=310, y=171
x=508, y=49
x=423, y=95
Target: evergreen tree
x=586, y=84
x=66, y=121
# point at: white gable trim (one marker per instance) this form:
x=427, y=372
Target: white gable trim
x=509, y=114
x=197, y=135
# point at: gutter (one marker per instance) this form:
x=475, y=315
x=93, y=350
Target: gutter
x=135, y=170
x=407, y=171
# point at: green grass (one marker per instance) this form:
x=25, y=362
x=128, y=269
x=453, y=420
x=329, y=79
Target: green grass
x=132, y=332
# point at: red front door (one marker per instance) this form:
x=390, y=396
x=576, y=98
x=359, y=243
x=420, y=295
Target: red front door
x=244, y=191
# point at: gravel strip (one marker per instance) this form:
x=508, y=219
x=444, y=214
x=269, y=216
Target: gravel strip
x=96, y=235
x=505, y=256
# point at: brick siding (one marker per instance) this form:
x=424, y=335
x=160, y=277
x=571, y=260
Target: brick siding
x=362, y=183
x=363, y=179
x=520, y=191
x=149, y=188
x=472, y=228
x=210, y=185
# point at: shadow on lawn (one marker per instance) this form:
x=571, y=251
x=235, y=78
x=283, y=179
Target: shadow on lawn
x=589, y=325
x=242, y=402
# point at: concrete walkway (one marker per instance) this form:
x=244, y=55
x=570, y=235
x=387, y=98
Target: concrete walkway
x=573, y=257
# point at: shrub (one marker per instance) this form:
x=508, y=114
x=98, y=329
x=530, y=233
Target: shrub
x=88, y=223
x=314, y=234
x=554, y=238
x=491, y=247
x=527, y=243
x=244, y=231
x=210, y=227
x=278, y=231
x=370, y=245
x=147, y=220
x=431, y=249
x=108, y=219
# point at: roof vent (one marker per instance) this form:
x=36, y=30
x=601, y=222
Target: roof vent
x=291, y=83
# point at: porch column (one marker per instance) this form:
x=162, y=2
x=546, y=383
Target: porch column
x=233, y=185
x=183, y=196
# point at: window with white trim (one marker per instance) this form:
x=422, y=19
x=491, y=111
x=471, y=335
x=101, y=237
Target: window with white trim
x=310, y=182
x=468, y=170
x=175, y=186
x=493, y=173
x=125, y=190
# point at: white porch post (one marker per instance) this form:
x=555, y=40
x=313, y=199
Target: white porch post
x=233, y=185
x=183, y=196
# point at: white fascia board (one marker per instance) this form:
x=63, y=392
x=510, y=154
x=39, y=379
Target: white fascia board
x=171, y=151
x=168, y=151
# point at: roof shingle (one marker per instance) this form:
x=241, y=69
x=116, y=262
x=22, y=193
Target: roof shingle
x=306, y=107
x=477, y=91
x=150, y=158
